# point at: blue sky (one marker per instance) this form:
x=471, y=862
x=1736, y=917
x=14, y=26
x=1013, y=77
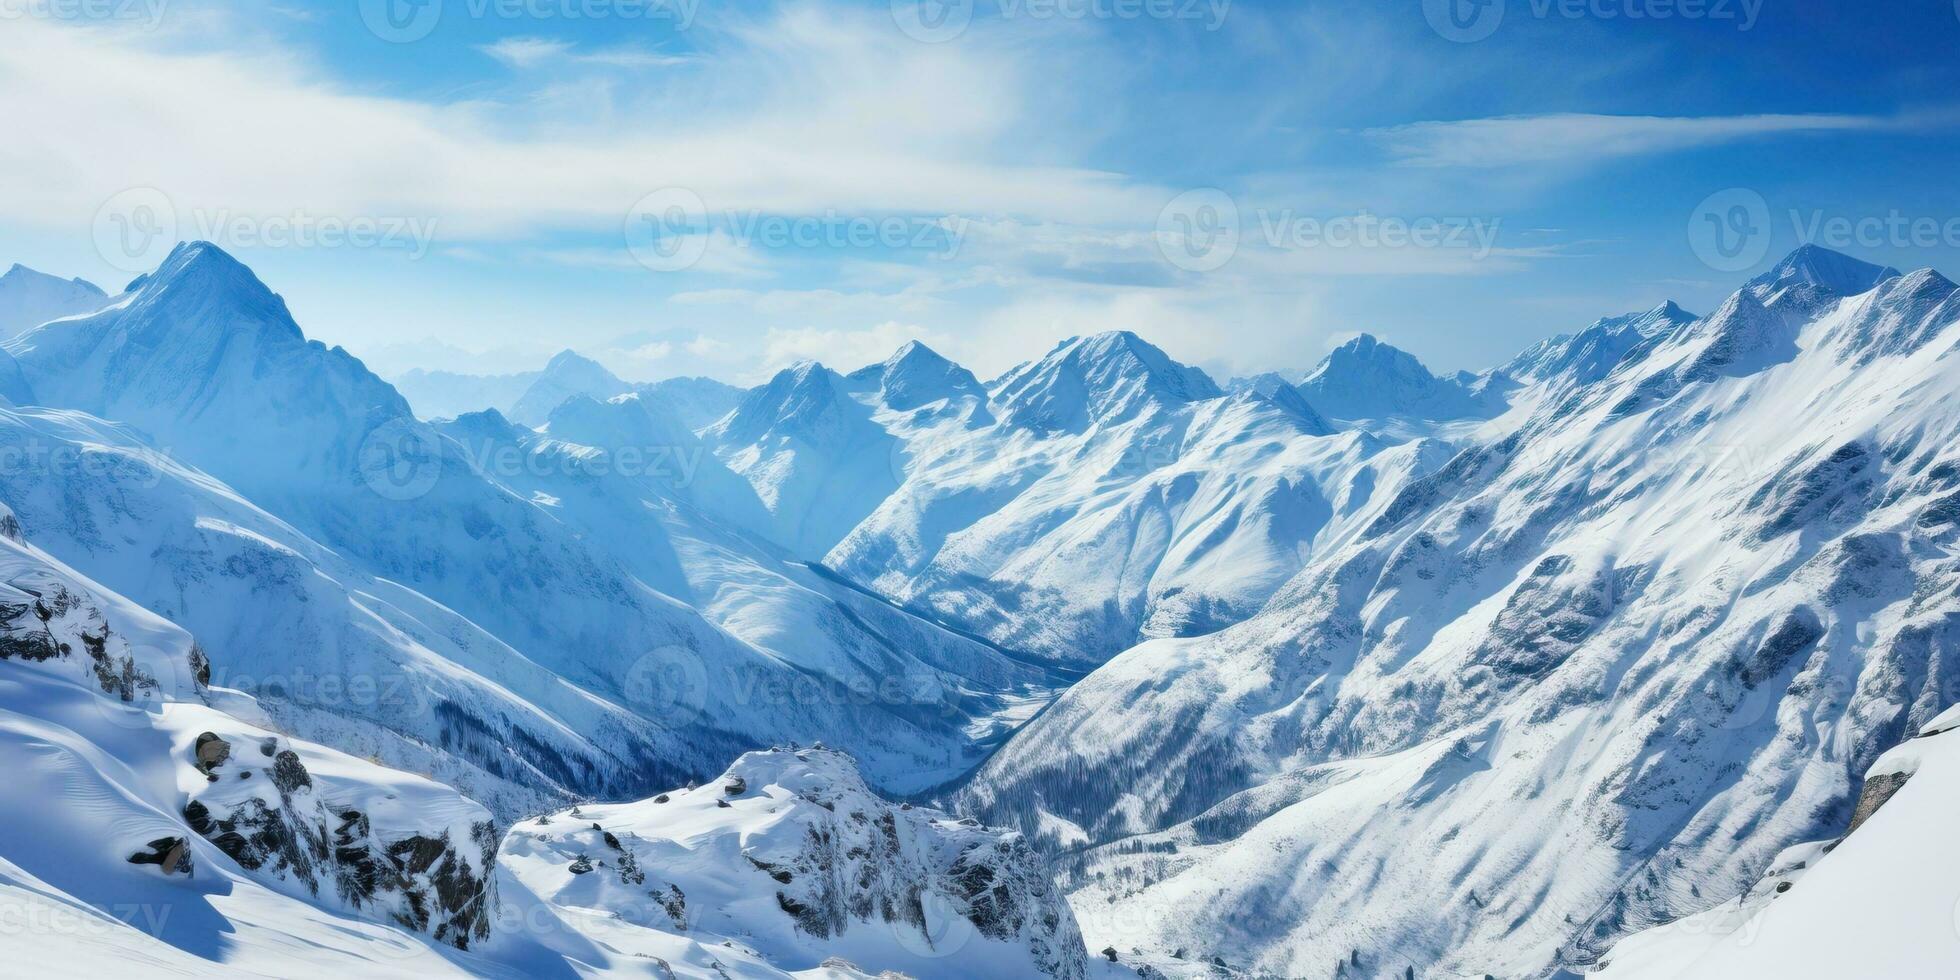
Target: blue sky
x=697, y=187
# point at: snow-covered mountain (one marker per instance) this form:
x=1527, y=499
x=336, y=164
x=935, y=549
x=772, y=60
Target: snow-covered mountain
x=447, y=394
x=1592, y=675
x=630, y=478
x=441, y=569
x=29, y=299
x=698, y=402
x=1590, y=354
x=1876, y=901
x=790, y=851
x=133, y=783
x=1106, y=493
x=814, y=453
x=1367, y=379
x=1480, y=677
x=566, y=375
x=157, y=822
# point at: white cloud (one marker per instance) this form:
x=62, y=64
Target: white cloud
x=1568, y=137
x=794, y=113
x=526, y=52
x=840, y=350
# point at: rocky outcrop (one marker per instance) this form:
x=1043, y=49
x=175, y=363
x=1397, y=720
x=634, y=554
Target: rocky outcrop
x=1878, y=789
x=170, y=854
x=836, y=865
x=276, y=820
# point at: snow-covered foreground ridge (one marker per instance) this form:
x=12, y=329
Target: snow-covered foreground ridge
x=791, y=855
x=151, y=825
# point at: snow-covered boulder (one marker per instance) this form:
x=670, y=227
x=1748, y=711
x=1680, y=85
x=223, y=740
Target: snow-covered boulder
x=790, y=854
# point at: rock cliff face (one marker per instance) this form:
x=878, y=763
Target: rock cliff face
x=104, y=680
x=265, y=810
x=791, y=852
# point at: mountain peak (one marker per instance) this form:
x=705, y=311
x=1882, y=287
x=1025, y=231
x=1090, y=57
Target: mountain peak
x=29, y=298
x=569, y=359
x=1366, y=378
x=1816, y=265
x=203, y=283
x=568, y=374
x=916, y=375
x=1105, y=377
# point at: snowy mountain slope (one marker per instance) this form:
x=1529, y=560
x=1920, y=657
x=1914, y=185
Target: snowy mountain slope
x=676, y=524
x=334, y=653
x=1287, y=396
x=29, y=299
x=814, y=454
x=207, y=363
x=1875, y=902
x=566, y=375
x=1104, y=379
x=1591, y=354
x=1833, y=273
x=1367, y=379
x=697, y=402
x=791, y=854
x=1589, y=676
x=127, y=781
x=1173, y=510
x=447, y=394
x=150, y=829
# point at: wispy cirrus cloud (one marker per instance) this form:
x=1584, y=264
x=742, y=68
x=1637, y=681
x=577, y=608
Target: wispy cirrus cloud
x=533, y=52
x=1508, y=141
x=794, y=112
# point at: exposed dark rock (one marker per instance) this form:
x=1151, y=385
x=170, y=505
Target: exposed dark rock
x=289, y=774
x=1878, y=790
x=171, y=854
x=210, y=752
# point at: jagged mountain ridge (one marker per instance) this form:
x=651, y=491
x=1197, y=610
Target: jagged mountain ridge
x=1520, y=682
x=29, y=299
x=204, y=360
